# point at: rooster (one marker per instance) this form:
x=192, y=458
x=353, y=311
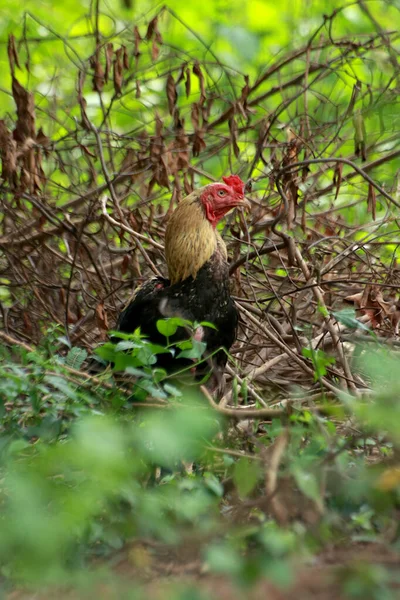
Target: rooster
x=198, y=285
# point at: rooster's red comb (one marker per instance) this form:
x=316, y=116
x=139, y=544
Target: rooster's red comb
x=235, y=183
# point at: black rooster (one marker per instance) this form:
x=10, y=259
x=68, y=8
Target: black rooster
x=198, y=284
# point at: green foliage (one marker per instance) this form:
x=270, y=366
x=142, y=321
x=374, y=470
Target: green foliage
x=320, y=361
x=78, y=464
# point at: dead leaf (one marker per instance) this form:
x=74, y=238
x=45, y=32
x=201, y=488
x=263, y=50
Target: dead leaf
x=125, y=57
x=82, y=102
x=290, y=179
x=98, y=75
x=172, y=95
x=371, y=303
x=187, y=82
x=198, y=72
x=371, y=201
x=198, y=143
x=151, y=28
x=8, y=154
x=25, y=126
x=158, y=158
x=233, y=131
x=155, y=51
x=12, y=54
x=137, y=39
x=109, y=51
x=337, y=177
x=195, y=116
x=118, y=71
x=181, y=75
x=102, y=320
x=360, y=135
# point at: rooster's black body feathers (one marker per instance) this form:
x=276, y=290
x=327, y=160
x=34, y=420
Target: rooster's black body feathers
x=203, y=298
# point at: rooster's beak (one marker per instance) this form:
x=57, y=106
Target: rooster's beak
x=245, y=204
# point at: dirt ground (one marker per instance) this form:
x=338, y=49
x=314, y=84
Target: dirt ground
x=158, y=572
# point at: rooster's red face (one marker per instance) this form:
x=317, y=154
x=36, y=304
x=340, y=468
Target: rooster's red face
x=220, y=198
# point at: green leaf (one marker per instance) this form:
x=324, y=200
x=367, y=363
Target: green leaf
x=307, y=483
x=320, y=361
x=347, y=317
x=223, y=558
x=128, y=345
x=137, y=372
x=172, y=390
x=245, y=475
x=75, y=357
x=166, y=327
x=195, y=352
x=62, y=385
x=207, y=324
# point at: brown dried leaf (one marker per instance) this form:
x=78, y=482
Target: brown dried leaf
x=188, y=185
x=159, y=126
x=157, y=157
x=233, y=131
x=25, y=126
x=109, y=51
x=138, y=92
x=337, y=177
x=198, y=72
x=128, y=162
x=178, y=154
x=118, y=71
x=155, y=51
x=172, y=95
x=195, y=116
x=87, y=151
x=372, y=304
x=42, y=139
x=137, y=40
x=125, y=59
x=290, y=179
x=98, y=75
x=82, y=102
x=12, y=54
x=8, y=154
x=198, y=143
x=360, y=135
x=206, y=110
x=181, y=75
x=125, y=264
x=101, y=317
x=372, y=201
x=187, y=82
x=151, y=28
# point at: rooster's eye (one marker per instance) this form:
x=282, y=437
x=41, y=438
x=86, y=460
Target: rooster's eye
x=221, y=193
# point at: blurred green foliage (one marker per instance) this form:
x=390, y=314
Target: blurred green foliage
x=79, y=466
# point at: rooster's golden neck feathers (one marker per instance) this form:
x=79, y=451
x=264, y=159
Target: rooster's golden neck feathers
x=191, y=238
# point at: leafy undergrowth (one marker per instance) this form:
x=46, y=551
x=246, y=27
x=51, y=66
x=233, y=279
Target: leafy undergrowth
x=107, y=485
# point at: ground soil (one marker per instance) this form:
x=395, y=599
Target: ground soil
x=159, y=572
